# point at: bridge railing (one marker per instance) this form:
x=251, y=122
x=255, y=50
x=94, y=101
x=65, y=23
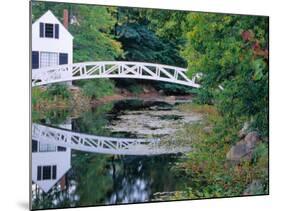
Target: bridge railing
x=112, y=69
x=93, y=143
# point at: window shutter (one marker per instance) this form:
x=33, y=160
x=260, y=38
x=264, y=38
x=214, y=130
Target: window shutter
x=61, y=149
x=41, y=29
x=57, y=31
x=39, y=173
x=54, y=172
x=34, y=146
x=63, y=58
x=35, y=59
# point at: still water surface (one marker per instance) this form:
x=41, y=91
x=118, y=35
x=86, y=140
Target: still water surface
x=66, y=176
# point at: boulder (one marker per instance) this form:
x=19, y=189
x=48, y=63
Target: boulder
x=240, y=151
x=243, y=149
x=254, y=188
x=251, y=139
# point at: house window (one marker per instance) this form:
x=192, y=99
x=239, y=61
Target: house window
x=49, y=30
x=47, y=147
x=48, y=59
x=46, y=172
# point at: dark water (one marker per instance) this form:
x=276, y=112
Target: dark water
x=67, y=177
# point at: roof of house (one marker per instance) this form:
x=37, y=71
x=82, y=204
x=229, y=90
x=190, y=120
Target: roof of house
x=49, y=13
x=46, y=186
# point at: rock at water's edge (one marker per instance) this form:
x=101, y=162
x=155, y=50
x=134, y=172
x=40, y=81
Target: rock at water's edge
x=243, y=149
x=254, y=188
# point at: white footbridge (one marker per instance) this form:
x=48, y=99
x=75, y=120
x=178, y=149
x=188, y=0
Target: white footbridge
x=112, y=69
x=98, y=144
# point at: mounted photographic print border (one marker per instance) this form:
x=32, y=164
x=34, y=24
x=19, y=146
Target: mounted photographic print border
x=136, y=105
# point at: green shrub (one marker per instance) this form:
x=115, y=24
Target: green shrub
x=41, y=96
x=58, y=90
x=173, y=89
x=98, y=88
x=37, y=95
x=34, y=96
x=203, y=96
x=135, y=89
x=56, y=116
x=260, y=151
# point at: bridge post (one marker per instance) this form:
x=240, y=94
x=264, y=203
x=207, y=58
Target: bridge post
x=158, y=72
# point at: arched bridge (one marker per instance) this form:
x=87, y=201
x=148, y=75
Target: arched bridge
x=98, y=144
x=112, y=69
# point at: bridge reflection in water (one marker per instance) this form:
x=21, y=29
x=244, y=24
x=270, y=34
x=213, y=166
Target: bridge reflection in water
x=96, y=144
x=51, y=151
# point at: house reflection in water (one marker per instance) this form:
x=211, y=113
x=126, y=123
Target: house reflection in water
x=50, y=163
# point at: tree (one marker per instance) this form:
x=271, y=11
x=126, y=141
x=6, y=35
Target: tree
x=140, y=42
x=94, y=40
x=137, y=32
x=231, y=51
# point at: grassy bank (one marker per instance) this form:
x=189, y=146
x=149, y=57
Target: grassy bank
x=207, y=163
x=96, y=89
x=49, y=97
x=61, y=96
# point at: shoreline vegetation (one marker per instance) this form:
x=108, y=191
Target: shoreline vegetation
x=244, y=174
x=44, y=99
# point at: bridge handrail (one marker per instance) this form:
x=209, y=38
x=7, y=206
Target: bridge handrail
x=112, y=69
x=110, y=63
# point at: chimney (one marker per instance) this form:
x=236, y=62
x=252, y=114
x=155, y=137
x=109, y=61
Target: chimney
x=65, y=18
x=63, y=183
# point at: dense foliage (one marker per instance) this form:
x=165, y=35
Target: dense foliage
x=208, y=162
x=140, y=43
x=97, y=88
x=56, y=93
x=232, y=53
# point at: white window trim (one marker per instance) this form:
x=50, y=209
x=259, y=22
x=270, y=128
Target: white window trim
x=51, y=173
x=48, y=52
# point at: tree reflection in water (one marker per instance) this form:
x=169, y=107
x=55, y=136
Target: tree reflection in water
x=96, y=179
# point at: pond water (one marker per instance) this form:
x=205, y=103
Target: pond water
x=120, y=152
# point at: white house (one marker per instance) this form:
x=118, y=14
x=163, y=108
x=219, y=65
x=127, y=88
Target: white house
x=49, y=164
x=52, y=44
